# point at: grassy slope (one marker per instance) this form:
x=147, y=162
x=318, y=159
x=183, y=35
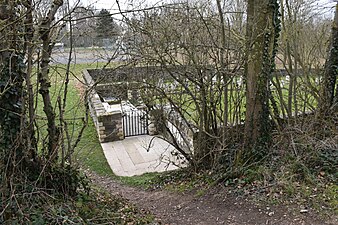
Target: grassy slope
x=88, y=152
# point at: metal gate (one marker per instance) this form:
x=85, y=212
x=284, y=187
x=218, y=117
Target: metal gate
x=135, y=122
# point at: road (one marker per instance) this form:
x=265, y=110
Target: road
x=83, y=56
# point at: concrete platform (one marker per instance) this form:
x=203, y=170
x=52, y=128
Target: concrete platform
x=139, y=154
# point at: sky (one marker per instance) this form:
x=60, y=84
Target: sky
x=111, y=5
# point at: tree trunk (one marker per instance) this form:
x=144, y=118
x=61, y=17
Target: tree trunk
x=223, y=74
x=11, y=99
x=29, y=49
x=44, y=80
x=259, y=63
x=329, y=97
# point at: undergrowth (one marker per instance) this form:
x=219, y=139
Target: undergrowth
x=98, y=207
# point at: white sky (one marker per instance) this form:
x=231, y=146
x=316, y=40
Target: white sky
x=325, y=5
x=112, y=3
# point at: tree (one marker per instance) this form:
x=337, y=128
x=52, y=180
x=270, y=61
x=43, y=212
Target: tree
x=301, y=52
x=262, y=34
x=11, y=92
x=84, y=32
x=106, y=27
x=329, y=98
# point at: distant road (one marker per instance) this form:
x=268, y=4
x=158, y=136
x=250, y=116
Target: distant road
x=82, y=56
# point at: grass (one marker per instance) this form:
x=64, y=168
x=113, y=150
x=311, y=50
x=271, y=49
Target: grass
x=88, y=152
x=145, y=181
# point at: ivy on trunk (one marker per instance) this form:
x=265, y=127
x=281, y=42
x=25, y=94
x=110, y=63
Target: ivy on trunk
x=262, y=34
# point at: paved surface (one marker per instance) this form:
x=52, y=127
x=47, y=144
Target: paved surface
x=93, y=56
x=138, y=155
x=85, y=56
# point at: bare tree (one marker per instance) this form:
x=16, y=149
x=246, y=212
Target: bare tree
x=201, y=65
x=301, y=53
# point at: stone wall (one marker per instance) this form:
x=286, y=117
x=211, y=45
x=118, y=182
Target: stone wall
x=169, y=124
x=183, y=133
x=116, y=90
x=107, y=118
x=146, y=73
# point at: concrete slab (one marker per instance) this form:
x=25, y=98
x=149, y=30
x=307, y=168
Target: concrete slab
x=139, y=154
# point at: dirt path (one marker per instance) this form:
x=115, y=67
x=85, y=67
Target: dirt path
x=212, y=208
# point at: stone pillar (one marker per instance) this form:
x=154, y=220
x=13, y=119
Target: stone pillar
x=110, y=127
x=107, y=120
